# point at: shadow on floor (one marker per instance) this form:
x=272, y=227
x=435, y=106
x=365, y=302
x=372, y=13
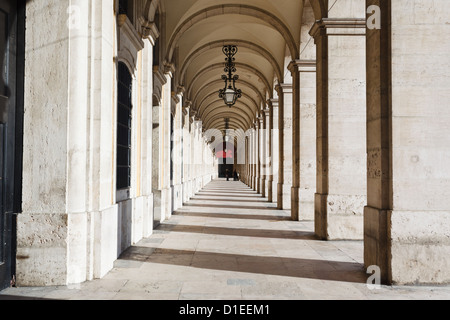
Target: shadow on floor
x=197, y=198
x=276, y=266
x=22, y=298
x=232, y=190
x=232, y=216
x=231, y=194
x=241, y=207
x=240, y=232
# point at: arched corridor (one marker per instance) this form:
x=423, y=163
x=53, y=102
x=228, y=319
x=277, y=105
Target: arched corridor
x=228, y=243
x=259, y=139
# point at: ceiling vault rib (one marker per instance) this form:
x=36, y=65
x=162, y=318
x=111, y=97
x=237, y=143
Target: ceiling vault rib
x=240, y=43
x=217, y=82
x=220, y=66
x=245, y=10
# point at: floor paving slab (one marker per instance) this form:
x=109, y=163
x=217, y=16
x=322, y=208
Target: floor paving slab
x=229, y=243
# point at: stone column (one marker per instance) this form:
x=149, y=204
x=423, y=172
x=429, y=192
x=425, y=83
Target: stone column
x=250, y=155
x=407, y=219
x=177, y=156
x=165, y=123
x=255, y=157
x=295, y=149
x=267, y=155
x=192, y=164
x=261, y=157
x=68, y=138
x=248, y=160
x=286, y=156
x=280, y=152
x=146, y=136
x=308, y=135
x=244, y=165
x=186, y=152
x=341, y=132
x=274, y=133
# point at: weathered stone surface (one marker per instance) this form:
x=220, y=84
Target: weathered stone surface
x=42, y=253
x=420, y=245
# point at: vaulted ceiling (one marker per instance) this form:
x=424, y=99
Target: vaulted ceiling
x=269, y=34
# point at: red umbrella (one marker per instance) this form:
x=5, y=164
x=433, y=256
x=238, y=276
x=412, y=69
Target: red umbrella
x=225, y=155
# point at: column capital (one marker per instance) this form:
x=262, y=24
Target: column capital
x=187, y=104
x=181, y=90
x=175, y=97
x=266, y=112
x=285, y=88
x=302, y=66
x=338, y=27
x=149, y=31
x=185, y=111
x=192, y=115
x=274, y=103
x=169, y=68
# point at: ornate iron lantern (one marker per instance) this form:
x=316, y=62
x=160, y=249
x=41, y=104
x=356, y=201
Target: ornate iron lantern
x=230, y=94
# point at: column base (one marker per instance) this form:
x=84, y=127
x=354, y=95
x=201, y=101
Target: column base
x=295, y=203
x=51, y=249
x=339, y=217
x=269, y=194
x=320, y=216
x=287, y=192
x=258, y=186
x=376, y=241
x=280, y=196
x=419, y=247
x=263, y=188
x=166, y=204
x=177, y=197
x=306, y=204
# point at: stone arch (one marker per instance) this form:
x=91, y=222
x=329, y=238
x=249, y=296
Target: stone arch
x=235, y=124
x=126, y=57
x=245, y=10
x=151, y=7
x=217, y=119
x=247, y=111
x=240, y=43
x=214, y=94
x=320, y=8
x=157, y=94
x=307, y=44
x=287, y=77
x=216, y=122
x=216, y=82
x=220, y=66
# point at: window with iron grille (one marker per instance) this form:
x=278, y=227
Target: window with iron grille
x=126, y=7
x=123, y=6
x=124, y=108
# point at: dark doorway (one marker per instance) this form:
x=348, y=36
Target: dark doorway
x=12, y=41
x=226, y=155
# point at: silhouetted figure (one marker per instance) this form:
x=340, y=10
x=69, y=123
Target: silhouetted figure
x=236, y=176
x=227, y=174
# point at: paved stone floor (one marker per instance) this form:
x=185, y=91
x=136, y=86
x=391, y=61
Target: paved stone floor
x=228, y=243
